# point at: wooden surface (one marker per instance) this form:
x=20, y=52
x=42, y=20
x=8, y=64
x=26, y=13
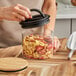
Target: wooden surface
x=58, y=65
x=12, y=64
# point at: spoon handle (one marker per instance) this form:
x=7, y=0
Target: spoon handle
x=70, y=54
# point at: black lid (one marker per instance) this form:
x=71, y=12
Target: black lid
x=36, y=20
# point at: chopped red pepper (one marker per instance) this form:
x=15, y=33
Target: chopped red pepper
x=39, y=48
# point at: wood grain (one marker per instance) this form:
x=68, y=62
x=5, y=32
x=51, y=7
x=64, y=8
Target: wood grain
x=12, y=64
x=58, y=65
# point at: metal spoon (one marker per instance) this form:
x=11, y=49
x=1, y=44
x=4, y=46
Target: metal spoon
x=71, y=44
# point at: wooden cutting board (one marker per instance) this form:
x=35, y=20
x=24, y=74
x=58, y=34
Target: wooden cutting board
x=12, y=64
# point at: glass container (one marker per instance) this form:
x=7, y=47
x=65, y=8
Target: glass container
x=36, y=45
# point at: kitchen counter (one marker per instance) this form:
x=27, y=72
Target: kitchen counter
x=58, y=65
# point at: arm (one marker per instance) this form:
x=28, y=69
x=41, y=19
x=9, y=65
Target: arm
x=49, y=7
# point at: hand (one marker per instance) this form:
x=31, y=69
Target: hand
x=56, y=44
x=15, y=13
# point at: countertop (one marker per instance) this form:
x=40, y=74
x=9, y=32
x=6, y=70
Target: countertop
x=66, y=11
x=58, y=65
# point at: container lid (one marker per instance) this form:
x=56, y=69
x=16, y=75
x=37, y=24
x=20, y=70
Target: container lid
x=12, y=64
x=36, y=20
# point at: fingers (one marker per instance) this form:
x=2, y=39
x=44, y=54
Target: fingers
x=23, y=11
x=56, y=43
x=15, y=17
x=18, y=17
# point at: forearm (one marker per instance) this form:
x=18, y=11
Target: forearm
x=50, y=9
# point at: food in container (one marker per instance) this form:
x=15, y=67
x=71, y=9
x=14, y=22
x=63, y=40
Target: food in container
x=37, y=47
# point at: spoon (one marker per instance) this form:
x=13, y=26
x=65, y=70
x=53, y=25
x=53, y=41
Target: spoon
x=71, y=44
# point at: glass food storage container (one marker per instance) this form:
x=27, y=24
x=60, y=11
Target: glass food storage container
x=35, y=45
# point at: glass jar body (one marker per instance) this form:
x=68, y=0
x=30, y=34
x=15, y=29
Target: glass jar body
x=36, y=46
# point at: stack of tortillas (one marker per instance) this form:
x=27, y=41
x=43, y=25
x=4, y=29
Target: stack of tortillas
x=12, y=64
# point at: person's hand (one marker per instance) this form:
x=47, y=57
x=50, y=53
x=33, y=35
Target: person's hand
x=15, y=13
x=56, y=44
x=54, y=40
